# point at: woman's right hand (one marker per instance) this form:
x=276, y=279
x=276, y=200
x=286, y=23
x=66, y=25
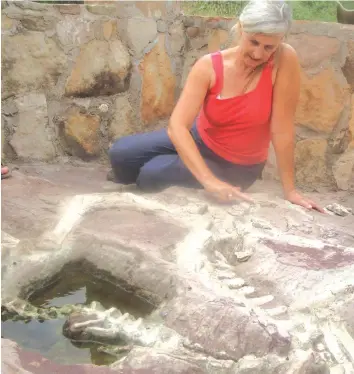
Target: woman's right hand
x=225, y=192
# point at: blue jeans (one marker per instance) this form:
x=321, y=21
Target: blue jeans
x=151, y=161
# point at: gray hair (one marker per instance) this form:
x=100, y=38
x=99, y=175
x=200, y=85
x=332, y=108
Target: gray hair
x=266, y=17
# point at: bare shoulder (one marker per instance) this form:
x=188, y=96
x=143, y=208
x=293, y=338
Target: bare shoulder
x=287, y=58
x=286, y=63
x=203, y=69
x=203, y=63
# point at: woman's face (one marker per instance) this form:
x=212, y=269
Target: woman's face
x=257, y=48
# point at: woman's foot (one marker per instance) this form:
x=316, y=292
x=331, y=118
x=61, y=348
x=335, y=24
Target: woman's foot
x=5, y=172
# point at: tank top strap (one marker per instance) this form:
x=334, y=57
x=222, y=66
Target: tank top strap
x=217, y=61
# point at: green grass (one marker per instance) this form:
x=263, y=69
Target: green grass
x=302, y=10
x=213, y=8
x=315, y=10
x=348, y=4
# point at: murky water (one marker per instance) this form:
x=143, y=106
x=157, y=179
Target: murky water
x=72, y=286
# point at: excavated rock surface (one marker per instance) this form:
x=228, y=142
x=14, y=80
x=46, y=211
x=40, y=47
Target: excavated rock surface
x=238, y=288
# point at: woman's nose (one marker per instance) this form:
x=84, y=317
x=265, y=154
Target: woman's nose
x=257, y=53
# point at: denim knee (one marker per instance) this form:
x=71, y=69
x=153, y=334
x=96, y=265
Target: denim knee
x=148, y=178
x=118, y=153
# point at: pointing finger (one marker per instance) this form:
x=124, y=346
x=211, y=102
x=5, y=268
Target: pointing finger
x=244, y=196
x=318, y=208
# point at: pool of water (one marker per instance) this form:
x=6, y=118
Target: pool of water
x=73, y=285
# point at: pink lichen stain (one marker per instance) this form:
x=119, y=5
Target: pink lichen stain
x=328, y=257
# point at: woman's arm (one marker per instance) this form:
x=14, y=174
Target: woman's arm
x=285, y=99
x=183, y=117
x=199, y=80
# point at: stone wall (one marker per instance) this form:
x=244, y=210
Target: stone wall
x=76, y=77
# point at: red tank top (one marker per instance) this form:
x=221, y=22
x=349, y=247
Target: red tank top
x=238, y=128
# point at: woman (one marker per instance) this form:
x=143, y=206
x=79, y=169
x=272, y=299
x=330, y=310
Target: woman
x=233, y=104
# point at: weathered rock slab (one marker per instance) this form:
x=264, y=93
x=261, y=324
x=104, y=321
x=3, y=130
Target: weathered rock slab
x=217, y=40
x=72, y=31
x=35, y=19
x=6, y=22
x=158, y=84
x=20, y=51
x=33, y=140
x=314, y=49
x=311, y=165
x=145, y=359
x=322, y=99
x=228, y=323
x=176, y=39
x=137, y=41
x=104, y=8
x=343, y=170
x=69, y=8
x=102, y=68
x=80, y=133
x=348, y=67
x=32, y=197
x=143, y=229
x=122, y=122
x=230, y=282
x=351, y=122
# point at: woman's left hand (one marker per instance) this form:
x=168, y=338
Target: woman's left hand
x=296, y=198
